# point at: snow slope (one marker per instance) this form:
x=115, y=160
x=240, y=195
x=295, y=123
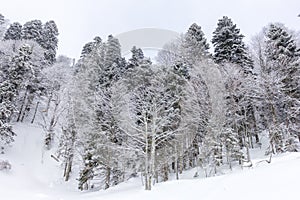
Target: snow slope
x=35, y=175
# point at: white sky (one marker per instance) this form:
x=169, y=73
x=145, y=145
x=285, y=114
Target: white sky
x=79, y=21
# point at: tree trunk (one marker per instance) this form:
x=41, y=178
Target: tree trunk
x=35, y=110
x=68, y=168
x=22, y=106
x=149, y=172
x=166, y=172
x=48, y=103
x=156, y=177
x=176, y=169
x=107, y=178
x=50, y=131
x=28, y=105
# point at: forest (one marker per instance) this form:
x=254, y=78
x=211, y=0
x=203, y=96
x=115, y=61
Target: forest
x=107, y=119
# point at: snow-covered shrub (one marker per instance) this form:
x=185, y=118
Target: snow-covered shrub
x=4, y=165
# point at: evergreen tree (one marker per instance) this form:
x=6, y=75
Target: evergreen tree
x=137, y=56
x=195, y=46
x=283, y=58
x=49, y=40
x=280, y=47
x=32, y=30
x=229, y=46
x=95, y=76
x=90, y=46
x=3, y=24
x=2, y=20
x=14, y=32
x=113, y=63
x=6, y=111
x=9, y=90
x=113, y=51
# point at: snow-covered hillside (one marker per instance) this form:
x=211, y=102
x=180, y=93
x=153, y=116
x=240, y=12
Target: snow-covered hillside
x=35, y=175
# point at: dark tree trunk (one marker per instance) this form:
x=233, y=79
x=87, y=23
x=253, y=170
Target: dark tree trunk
x=22, y=106
x=35, y=110
x=107, y=178
x=68, y=168
x=27, y=107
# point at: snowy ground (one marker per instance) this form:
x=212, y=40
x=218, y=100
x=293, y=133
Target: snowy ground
x=35, y=175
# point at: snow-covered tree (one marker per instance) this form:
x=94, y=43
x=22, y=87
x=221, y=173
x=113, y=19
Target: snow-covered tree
x=68, y=140
x=3, y=26
x=229, y=46
x=171, y=52
x=32, y=86
x=137, y=57
x=233, y=152
x=10, y=89
x=6, y=109
x=14, y=32
x=150, y=114
x=240, y=117
x=195, y=46
x=283, y=59
x=56, y=80
x=32, y=30
x=49, y=40
x=96, y=72
x=114, y=65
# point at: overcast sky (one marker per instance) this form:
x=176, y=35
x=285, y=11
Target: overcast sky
x=79, y=21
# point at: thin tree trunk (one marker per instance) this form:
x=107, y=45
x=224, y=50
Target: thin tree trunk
x=176, y=169
x=69, y=168
x=152, y=158
x=22, y=106
x=27, y=107
x=156, y=177
x=35, y=111
x=48, y=104
x=147, y=177
x=181, y=164
x=50, y=131
x=166, y=172
x=107, y=178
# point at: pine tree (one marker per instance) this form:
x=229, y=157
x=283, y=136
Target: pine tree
x=195, y=46
x=113, y=63
x=32, y=30
x=3, y=24
x=14, y=32
x=89, y=47
x=229, y=46
x=137, y=56
x=21, y=65
x=283, y=58
x=49, y=40
x=113, y=51
x=32, y=86
x=280, y=47
x=9, y=90
x=6, y=110
x=100, y=130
